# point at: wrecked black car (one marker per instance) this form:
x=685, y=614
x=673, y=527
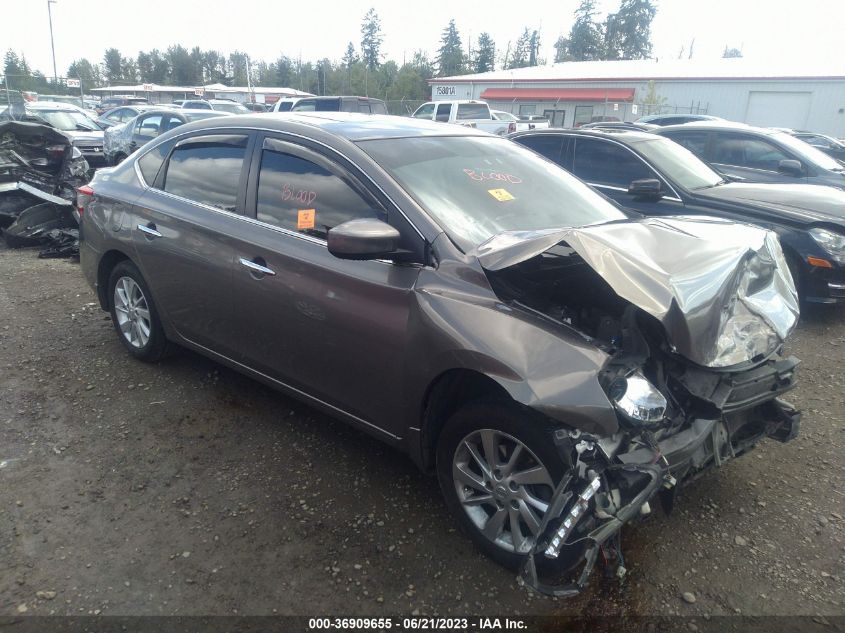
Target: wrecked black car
x=558, y=363
x=40, y=170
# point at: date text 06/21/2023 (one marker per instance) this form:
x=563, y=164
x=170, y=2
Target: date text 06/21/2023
x=418, y=623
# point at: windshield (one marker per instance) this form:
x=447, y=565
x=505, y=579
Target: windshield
x=234, y=108
x=678, y=163
x=66, y=120
x=808, y=152
x=478, y=187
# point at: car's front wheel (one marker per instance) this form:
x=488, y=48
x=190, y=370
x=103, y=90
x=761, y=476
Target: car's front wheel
x=134, y=314
x=498, y=470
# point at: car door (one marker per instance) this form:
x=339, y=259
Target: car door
x=330, y=328
x=751, y=158
x=548, y=145
x=181, y=227
x=611, y=167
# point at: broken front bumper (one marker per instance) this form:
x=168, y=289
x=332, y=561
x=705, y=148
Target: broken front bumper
x=621, y=491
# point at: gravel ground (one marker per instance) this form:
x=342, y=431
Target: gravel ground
x=185, y=488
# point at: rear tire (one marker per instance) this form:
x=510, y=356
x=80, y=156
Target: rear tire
x=134, y=314
x=514, y=491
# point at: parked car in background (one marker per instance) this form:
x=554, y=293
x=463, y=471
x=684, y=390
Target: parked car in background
x=474, y=114
x=222, y=105
x=528, y=123
x=108, y=103
x=123, y=139
x=417, y=281
x=123, y=114
x=363, y=105
x=827, y=144
x=86, y=134
x=255, y=107
x=676, y=119
x=285, y=104
x=658, y=177
x=88, y=105
x=757, y=154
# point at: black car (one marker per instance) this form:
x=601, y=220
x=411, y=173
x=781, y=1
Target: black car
x=619, y=125
x=757, y=154
x=646, y=173
x=364, y=105
x=829, y=145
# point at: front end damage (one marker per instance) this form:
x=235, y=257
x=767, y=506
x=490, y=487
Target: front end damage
x=692, y=314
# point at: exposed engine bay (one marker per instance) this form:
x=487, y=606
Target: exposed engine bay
x=677, y=418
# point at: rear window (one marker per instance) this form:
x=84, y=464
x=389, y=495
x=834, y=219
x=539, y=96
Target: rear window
x=207, y=172
x=150, y=163
x=472, y=111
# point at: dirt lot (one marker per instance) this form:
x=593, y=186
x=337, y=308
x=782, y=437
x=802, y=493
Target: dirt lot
x=185, y=488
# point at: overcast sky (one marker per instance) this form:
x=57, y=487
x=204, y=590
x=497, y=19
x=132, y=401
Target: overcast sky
x=775, y=30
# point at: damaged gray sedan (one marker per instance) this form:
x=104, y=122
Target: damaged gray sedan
x=556, y=362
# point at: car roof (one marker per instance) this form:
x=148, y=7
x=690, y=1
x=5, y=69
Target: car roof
x=352, y=126
x=627, y=135
x=724, y=126
x=327, y=98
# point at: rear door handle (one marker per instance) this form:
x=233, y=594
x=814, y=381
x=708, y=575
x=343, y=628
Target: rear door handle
x=149, y=230
x=256, y=267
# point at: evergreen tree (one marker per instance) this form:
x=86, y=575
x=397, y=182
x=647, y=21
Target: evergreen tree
x=585, y=37
x=112, y=66
x=485, y=56
x=562, y=50
x=628, y=31
x=450, y=55
x=371, y=40
x=521, y=51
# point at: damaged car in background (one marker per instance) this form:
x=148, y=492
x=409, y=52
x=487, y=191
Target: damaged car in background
x=558, y=363
x=40, y=171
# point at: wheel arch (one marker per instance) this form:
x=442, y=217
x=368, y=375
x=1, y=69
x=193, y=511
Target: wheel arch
x=108, y=261
x=448, y=392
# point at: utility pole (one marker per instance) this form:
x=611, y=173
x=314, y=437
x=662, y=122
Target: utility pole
x=52, y=45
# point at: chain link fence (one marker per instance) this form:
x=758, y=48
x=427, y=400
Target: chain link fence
x=403, y=107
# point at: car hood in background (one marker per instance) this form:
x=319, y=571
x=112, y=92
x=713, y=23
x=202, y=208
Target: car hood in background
x=721, y=290
x=815, y=203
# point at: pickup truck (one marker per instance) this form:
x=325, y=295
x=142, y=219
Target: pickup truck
x=474, y=114
x=532, y=122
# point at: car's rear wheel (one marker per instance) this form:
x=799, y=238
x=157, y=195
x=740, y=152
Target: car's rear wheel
x=134, y=313
x=498, y=470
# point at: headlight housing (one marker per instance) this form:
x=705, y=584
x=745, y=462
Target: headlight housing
x=833, y=243
x=637, y=398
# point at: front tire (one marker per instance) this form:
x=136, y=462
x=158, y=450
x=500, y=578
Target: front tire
x=134, y=313
x=498, y=469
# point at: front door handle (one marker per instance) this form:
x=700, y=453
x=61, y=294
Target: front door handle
x=149, y=230
x=255, y=267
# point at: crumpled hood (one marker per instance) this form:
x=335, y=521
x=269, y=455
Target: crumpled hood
x=800, y=202
x=721, y=290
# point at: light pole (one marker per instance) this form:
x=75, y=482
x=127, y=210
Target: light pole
x=52, y=45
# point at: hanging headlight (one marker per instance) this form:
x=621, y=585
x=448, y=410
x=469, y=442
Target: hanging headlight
x=637, y=398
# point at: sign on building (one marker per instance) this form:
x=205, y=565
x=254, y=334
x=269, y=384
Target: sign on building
x=72, y=83
x=445, y=91
x=148, y=87
x=634, y=108
x=199, y=92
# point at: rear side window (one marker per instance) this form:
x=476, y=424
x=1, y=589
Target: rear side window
x=545, y=145
x=363, y=107
x=443, y=110
x=377, y=107
x=150, y=163
x=328, y=105
x=696, y=142
x=207, y=172
x=606, y=163
x=306, y=105
x=285, y=106
x=302, y=196
x=149, y=125
x=468, y=111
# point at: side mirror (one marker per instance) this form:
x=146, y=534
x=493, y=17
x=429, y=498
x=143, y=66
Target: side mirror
x=790, y=168
x=646, y=188
x=365, y=238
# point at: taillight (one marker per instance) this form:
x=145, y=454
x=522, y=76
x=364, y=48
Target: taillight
x=83, y=197
x=511, y=127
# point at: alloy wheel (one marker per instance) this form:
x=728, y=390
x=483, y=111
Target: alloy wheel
x=132, y=312
x=503, y=487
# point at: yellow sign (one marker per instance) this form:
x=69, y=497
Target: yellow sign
x=305, y=219
x=502, y=195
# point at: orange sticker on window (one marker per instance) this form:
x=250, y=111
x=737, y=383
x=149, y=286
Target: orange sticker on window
x=305, y=219
x=502, y=195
